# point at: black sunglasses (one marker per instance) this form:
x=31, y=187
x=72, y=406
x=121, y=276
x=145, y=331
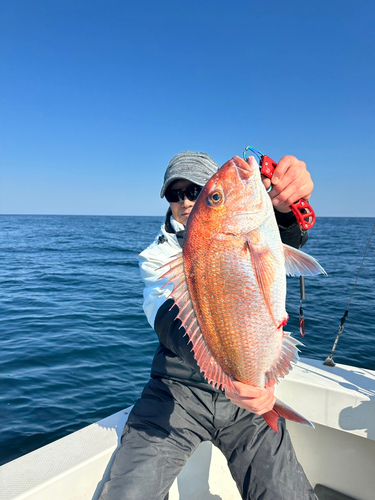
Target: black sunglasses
x=178, y=195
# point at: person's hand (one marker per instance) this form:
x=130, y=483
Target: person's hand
x=290, y=182
x=255, y=399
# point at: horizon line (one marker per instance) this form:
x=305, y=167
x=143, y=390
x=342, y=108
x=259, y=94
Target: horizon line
x=158, y=215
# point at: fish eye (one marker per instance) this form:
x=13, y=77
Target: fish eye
x=216, y=197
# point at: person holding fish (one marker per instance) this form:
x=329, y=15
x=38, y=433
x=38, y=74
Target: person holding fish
x=214, y=292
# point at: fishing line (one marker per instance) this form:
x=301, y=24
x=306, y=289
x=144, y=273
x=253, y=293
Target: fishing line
x=329, y=361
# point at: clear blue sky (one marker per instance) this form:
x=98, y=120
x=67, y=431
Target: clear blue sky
x=97, y=96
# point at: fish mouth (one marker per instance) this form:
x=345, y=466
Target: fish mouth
x=245, y=170
x=243, y=173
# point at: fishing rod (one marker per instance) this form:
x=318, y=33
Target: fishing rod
x=329, y=361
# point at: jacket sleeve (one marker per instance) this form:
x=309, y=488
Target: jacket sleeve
x=154, y=293
x=172, y=335
x=290, y=231
x=158, y=307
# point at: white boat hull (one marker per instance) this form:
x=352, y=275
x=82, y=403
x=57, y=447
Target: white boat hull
x=339, y=453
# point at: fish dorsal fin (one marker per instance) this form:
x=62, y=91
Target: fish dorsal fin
x=289, y=355
x=298, y=263
x=210, y=368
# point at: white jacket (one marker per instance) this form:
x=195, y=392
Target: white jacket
x=162, y=250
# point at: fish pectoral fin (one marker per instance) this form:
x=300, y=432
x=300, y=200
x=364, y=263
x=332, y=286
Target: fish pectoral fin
x=298, y=263
x=289, y=355
x=264, y=263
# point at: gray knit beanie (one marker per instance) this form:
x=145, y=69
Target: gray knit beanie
x=194, y=167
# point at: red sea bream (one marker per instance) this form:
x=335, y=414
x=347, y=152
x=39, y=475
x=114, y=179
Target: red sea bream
x=229, y=283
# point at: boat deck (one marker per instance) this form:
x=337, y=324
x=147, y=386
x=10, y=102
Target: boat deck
x=338, y=454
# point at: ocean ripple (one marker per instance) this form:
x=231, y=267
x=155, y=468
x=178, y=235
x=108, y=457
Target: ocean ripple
x=75, y=344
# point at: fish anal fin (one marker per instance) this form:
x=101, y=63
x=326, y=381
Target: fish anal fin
x=298, y=263
x=288, y=356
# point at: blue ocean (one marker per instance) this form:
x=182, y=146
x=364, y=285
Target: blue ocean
x=75, y=345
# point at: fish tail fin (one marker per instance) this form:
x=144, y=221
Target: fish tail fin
x=280, y=409
x=272, y=418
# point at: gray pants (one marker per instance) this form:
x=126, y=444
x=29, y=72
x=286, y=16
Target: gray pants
x=169, y=422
